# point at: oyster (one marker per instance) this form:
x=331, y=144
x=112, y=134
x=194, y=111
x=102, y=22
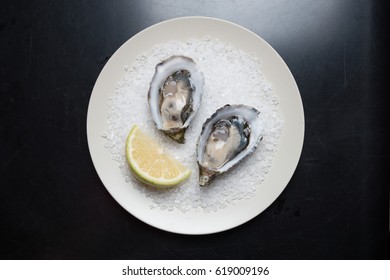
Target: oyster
x=174, y=95
x=229, y=135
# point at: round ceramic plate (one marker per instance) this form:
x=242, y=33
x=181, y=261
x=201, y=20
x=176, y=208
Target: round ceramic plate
x=284, y=163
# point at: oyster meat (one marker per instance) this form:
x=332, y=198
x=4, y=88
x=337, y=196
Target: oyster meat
x=229, y=135
x=174, y=95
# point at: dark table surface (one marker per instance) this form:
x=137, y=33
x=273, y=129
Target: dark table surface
x=53, y=204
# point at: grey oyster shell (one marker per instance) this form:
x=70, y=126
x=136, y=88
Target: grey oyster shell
x=175, y=95
x=232, y=133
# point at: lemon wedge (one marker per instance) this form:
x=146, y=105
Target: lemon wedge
x=150, y=164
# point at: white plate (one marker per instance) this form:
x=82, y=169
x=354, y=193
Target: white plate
x=284, y=163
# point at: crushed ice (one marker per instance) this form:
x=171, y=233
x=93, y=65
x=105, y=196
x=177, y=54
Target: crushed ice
x=231, y=76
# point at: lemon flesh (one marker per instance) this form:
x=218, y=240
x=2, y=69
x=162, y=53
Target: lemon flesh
x=150, y=164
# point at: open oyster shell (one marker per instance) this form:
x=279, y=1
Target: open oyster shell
x=228, y=136
x=174, y=95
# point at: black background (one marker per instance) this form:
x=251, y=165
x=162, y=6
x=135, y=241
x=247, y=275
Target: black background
x=54, y=206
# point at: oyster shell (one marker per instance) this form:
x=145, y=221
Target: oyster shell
x=228, y=136
x=174, y=95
